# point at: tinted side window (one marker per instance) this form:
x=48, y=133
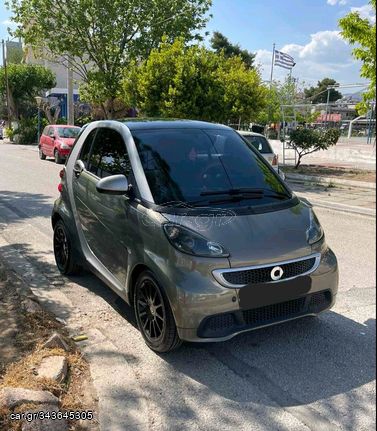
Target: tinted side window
x=85, y=150
x=45, y=130
x=51, y=132
x=260, y=143
x=109, y=155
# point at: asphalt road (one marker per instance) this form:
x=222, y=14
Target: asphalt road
x=316, y=374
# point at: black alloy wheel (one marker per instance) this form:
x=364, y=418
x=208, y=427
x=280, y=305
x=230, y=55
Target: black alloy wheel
x=153, y=315
x=63, y=250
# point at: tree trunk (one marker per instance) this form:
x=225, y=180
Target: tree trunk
x=110, y=109
x=298, y=162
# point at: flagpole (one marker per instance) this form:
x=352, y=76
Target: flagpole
x=272, y=72
x=272, y=64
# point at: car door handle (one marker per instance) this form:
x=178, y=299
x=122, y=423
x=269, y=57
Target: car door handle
x=78, y=168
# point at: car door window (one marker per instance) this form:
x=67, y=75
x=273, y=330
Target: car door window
x=45, y=130
x=85, y=150
x=109, y=154
x=51, y=132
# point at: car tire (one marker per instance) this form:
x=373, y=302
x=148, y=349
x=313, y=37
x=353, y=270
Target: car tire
x=58, y=159
x=42, y=156
x=63, y=250
x=153, y=314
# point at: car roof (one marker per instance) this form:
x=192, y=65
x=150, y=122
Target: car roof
x=162, y=123
x=248, y=133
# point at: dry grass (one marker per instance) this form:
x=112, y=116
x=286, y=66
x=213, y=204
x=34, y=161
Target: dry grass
x=336, y=172
x=71, y=393
x=75, y=393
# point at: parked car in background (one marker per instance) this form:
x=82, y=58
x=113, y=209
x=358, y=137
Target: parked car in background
x=56, y=141
x=193, y=228
x=261, y=143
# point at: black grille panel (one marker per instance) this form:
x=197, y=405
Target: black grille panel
x=220, y=322
x=223, y=325
x=274, y=312
x=263, y=275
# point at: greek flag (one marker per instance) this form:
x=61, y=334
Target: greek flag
x=284, y=60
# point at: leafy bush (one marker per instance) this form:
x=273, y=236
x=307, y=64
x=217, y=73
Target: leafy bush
x=85, y=119
x=9, y=133
x=27, y=131
x=307, y=141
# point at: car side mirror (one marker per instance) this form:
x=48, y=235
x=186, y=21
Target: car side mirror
x=113, y=185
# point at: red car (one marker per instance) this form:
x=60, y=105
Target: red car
x=56, y=141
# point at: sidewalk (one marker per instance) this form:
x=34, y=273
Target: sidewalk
x=357, y=155
x=341, y=198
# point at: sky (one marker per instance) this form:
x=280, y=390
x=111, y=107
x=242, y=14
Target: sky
x=306, y=29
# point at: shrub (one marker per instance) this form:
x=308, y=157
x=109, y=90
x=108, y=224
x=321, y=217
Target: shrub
x=307, y=141
x=9, y=133
x=27, y=130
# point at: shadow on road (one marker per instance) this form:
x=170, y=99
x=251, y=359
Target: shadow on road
x=313, y=360
x=25, y=205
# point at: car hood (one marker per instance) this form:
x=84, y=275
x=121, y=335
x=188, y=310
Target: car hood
x=255, y=238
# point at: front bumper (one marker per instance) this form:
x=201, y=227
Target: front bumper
x=202, y=318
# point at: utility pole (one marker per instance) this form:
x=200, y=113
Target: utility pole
x=70, y=112
x=327, y=107
x=6, y=83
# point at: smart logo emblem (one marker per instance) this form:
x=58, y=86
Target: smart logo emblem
x=276, y=273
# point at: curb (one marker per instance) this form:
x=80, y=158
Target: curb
x=328, y=180
x=109, y=414
x=342, y=207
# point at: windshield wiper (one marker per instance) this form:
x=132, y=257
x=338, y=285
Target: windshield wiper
x=231, y=192
x=247, y=193
x=225, y=199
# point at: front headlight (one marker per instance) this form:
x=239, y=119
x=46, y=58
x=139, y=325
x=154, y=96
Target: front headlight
x=315, y=231
x=64, y=146
x=187, y=241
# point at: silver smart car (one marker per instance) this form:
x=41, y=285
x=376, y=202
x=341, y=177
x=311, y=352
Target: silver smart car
x=192, y=227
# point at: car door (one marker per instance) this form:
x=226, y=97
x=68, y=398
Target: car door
x=50, y=141
x=42, y=138
x=104, y=217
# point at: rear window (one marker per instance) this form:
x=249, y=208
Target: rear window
x=68, y=132
x=259, y=143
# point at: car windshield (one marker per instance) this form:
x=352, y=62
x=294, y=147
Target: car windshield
x=68, y=132
x=193, y=165
x=260, y=143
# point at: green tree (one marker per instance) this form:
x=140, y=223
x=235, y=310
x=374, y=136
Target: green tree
x=318, y=94
x=362, y=33
x=25, y=82
x=279, y=93
x=307, y=141
x=104, y=35
x=220, y=43
x=192, y=82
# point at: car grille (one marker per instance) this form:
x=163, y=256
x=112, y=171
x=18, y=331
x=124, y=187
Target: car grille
x=274, y=312
x=225, y=324
x=263, y=275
